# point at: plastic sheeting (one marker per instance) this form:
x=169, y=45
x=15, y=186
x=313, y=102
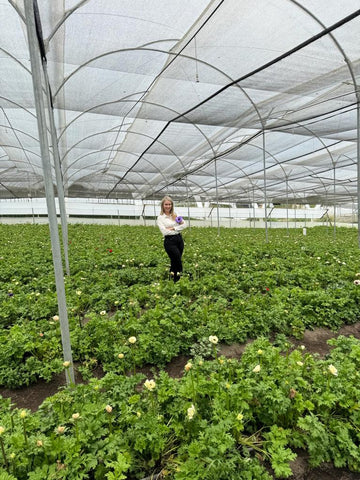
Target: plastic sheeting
x=227, y=100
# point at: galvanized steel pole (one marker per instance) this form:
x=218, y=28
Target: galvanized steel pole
x=49, y=188
x=58, y=173
x=358, y=163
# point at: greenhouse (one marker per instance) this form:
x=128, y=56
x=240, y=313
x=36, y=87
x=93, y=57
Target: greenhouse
x=246, y=114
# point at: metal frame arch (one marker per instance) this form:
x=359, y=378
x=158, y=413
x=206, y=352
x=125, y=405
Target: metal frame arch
x=167, y=53
x=74, y=145
x=124, y=99
x=337, y=44
x=16, y=60
x=105, y=172
x=200, y=187
x=144, y=102
x=131, y=153
x=19, y=131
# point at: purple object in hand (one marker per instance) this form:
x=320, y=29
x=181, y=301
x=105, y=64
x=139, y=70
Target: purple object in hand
x=179, y=219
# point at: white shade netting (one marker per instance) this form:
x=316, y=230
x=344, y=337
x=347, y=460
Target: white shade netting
x=214, y=100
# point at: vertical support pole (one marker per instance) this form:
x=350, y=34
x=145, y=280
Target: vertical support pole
x=254, y=208
x=358, y=165
x=287, y=204
x=59, y=177
x=334, y=193
x=265, y=192
x=187, y=201
x=217, y=198
x=49, y=189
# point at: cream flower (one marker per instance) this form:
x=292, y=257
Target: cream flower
x=78, y=292
x=132, y=340
x=239, y=417
x=300, y=364
x=191, y=412
x=188, y=366
x=150, y=384
x=257, y=369
x=75, y=416
x=2, y=430
x=66, y=364
x=39, y=443
x=121, y=355
x=60, y=429
x=213, y=339
x=56, y=318
x=108, y=408
x=333, y=370
x=103, y=312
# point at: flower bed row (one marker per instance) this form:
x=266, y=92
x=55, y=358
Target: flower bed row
x=223, y=419
x=234, y=286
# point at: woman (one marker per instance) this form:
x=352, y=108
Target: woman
x=170, y=226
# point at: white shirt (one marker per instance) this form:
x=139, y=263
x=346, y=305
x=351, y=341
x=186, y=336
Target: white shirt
x=165, y=221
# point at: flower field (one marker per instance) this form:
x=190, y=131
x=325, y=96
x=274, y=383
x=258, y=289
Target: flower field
x=238, y=419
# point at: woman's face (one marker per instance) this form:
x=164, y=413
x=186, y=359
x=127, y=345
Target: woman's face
x=167, y=206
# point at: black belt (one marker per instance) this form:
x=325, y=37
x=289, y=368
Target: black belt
x=172, y=236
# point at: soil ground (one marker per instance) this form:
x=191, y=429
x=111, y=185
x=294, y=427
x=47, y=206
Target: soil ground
x=315, y=341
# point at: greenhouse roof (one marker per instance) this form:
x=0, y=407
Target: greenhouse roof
x=228, y=100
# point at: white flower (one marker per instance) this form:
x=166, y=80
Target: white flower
x=150, y=384
x=78, y=292
x=300, y=364
x=103, y=312
x=188, y=366
x=333, y=370
x=213, y=339
x=191, y=412
x=257, y=369
x=356, y=282
x=132, y=340
x=56, y=318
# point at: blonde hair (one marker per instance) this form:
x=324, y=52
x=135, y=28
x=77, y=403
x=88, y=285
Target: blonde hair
x=167, y=199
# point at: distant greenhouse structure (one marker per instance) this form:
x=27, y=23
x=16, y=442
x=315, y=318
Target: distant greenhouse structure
x=214, y=102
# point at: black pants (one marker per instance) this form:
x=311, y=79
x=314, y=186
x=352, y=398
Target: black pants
x=174, y=247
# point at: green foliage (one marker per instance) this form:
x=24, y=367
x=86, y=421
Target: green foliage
x=224, y=419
